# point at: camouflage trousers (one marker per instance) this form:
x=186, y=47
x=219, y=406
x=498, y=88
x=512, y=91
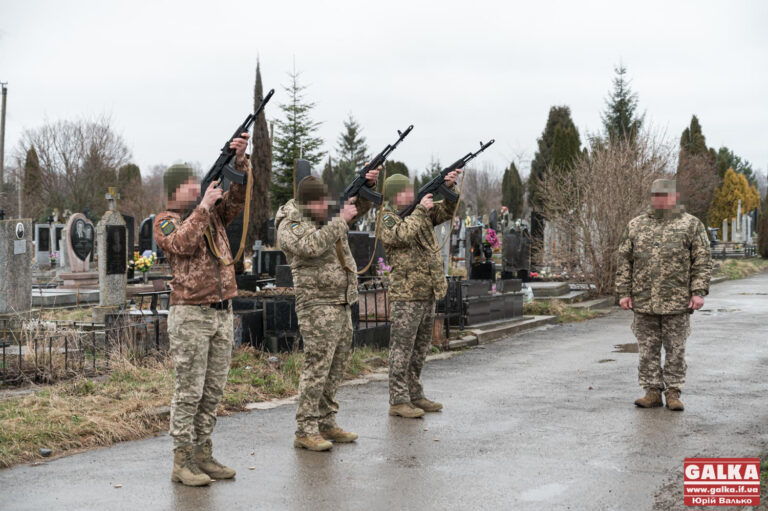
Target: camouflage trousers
x=326, y=331
x=654, y=331
x=412, y=325
x=201, y=341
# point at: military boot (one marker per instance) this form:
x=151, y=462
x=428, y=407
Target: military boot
x=185, y=470
x=672, y=397
x=406, y=410
x=652, y=399
x=338, y=435
x=427, y=405
x=208, y=464
x=312, y=442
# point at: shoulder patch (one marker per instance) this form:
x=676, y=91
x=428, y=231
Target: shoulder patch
x=297, y=229
x=389, y=221
x=167, y=227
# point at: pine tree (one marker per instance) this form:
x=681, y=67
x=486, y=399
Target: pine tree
x=762, y=229
x=33, y=186
x=727, y=159
x=692, y=140
x=696, y=172
x=619, y=118
x=512, y=191
x=294, y=139
x=735, y=188
x=351, y=151
x=396, y=167
x=329, y=177
x=261, y=164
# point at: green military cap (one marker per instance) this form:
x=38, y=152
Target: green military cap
x=175, y=176
x=395, y=184
x=311, y=189
x=664, y=186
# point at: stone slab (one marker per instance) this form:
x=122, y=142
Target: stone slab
x=16, y=255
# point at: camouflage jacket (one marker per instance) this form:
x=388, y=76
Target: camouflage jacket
x=413, y=252
x=663, y=259
x=198, y=277
x=315, y=254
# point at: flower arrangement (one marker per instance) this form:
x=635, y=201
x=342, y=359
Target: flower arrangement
x=143, y=262
x=383, y=269
x=54, y=258
x=491, y=238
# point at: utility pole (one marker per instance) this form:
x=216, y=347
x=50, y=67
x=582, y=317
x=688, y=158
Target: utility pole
x=2, y=136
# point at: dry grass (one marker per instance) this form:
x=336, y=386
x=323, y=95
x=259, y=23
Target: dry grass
x=86, y=413
x=740, y=268
x=564, y=313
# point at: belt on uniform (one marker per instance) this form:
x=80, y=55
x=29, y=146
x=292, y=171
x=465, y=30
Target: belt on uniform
x=220, y=305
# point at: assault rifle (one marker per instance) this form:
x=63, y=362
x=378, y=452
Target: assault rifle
x=223, y=170
x=358, y=186
x=437, y=184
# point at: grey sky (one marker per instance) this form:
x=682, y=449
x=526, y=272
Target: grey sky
x=177, y=77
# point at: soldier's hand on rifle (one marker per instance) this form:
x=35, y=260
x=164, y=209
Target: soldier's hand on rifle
x=452, y=177
x=696, y=303
x=372, y=175
x=626, y=303
x=239, y=145
x=212, y=194
x=427, y=201
x=349, y=211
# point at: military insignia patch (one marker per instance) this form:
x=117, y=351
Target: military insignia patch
x=389, y=221
x=297, y=229
x=167, y=227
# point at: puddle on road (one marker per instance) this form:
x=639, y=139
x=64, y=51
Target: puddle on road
x=625, y=348
x=545, y=492
x=718, y=311
x=753, y=294
x=604, y=360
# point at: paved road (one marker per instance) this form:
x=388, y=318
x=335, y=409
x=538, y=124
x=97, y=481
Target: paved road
x=539, y=421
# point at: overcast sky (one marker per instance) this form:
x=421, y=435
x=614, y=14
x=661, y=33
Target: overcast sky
x=177, y=77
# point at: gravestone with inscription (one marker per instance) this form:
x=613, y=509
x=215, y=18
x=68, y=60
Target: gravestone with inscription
x=130, y=224
x=16, y=253
x=112, y=246
x=43, y=244
x=79, y=239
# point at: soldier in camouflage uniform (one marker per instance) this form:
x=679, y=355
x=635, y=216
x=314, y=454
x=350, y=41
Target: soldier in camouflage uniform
x=200, y=319
x=417, y=279
x=663, y=276
x=325, y=283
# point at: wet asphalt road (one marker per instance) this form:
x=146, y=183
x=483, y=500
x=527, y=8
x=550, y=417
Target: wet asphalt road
x=543, y=420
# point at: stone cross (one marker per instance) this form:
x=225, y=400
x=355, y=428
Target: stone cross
x=15, y=266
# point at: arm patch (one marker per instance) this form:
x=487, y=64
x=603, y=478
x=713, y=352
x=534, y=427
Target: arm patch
x=297, y=229
x=167, y=227
x=389, y=221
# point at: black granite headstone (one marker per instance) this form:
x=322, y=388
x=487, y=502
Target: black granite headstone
x=81, y=238
x=360, y=246
x=59, y=234
x=516, y=252
x=270, y=259
x=482, y=271
x=44, y=241
x=146, y=234
x=2, y=214
x=234, y=233
x=283, y=276
x=493, y=221
x=116, y=250
x=270, y=232
x=130, y=224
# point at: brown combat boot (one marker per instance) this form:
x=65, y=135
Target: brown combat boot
x=312, y=442
x=185, y=470
x=208, y=464
x=427, y=405
x=652, y=399
x=338, y=435
x=406, y=410
x=672, y=397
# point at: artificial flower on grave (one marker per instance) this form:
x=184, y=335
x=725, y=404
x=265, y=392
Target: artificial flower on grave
x=491, y=238
x=383, y=269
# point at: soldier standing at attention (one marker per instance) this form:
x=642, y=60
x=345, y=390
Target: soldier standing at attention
x=663, y=276
x=417, y=279
x=325, y=283
x=200, y=319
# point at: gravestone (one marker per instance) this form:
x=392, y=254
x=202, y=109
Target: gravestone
x=79, y=235
x=43, y=244
x=112, y=237
x=493, y=221
x=234, y=234
x=302, y=168
x=270, y=228
x=516, y=254
x=361, y=248
x=147, y=235
x=15, y=266
x=724, y=233
x=130, y=225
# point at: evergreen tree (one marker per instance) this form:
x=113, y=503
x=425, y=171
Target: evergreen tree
x=727, y=159
x=762, y=229
x=128, y=179
x=696, y=173
x=351, y=151
x=329, y=177
x=294, y=138
x=692, y=140
x=619, y=119
x=261, y=165
x=735, y=188
x=33, y=186
x=396, y=167
x=512, y=191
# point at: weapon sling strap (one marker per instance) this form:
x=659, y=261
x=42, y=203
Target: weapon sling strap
x=246, y=216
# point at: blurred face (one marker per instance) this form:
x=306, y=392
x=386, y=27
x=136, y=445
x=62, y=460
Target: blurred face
x=664, y=200
x=318, y=209
x=404, y=198
x=185, y=195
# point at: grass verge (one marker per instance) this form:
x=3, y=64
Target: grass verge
x=564, y=313
x=734, y=269
x=86, y=413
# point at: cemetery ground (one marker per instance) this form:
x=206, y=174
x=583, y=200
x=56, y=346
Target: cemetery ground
x=542, y=420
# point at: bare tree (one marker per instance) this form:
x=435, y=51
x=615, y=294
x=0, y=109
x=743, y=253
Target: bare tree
x=600, y=194
x=482, y=189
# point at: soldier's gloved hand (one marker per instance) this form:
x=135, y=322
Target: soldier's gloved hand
x=349, y=211
x=696, y=303
x=212, y=194
x=372, y=175
x=427, y=202
x=626, y=303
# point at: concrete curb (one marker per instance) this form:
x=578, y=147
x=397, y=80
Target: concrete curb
x=496, y=331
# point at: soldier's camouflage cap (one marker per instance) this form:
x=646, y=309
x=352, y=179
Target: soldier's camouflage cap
x=664, y=186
